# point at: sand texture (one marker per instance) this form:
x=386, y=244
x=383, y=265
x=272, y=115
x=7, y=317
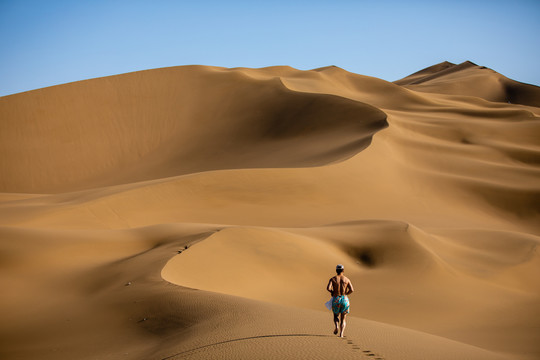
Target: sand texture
x=198, y=212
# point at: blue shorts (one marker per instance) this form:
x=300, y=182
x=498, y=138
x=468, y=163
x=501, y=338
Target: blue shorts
x=340, y=304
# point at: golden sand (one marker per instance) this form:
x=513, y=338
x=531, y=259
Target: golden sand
x=198, y=212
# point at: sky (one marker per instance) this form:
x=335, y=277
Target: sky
x=45, y=43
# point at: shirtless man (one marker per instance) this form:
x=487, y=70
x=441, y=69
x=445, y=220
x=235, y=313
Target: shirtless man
x=340, y=286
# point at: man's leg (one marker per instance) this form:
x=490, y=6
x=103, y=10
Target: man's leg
x=343, y=324
x=336, y=322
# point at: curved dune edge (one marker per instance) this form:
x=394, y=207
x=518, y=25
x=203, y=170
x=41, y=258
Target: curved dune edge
x=168, y=122
x=284, y=266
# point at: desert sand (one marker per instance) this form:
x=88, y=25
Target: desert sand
x=198, y=212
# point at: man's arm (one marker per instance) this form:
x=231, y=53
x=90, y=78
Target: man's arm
x=350, y=288
x=329, y=287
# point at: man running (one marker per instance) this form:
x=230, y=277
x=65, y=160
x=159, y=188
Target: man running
x=340, y=286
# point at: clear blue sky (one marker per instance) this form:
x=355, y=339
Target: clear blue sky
x=44, y=43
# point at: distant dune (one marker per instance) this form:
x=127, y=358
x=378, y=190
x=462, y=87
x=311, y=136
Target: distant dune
x=198, y=212
x=467, y=79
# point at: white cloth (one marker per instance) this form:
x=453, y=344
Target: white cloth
x=328, y=304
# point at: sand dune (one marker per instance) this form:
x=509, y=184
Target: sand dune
x=467, y=79
x=197, y=212
x=169, y=122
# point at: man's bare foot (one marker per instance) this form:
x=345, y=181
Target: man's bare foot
x=341, y=335
x=335, y=331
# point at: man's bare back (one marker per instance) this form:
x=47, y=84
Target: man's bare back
x=340, y=285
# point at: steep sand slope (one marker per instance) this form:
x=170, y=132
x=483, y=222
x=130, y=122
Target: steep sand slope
x=224, y=180
x=168, y=122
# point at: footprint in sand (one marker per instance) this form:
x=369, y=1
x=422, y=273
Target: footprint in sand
x=368, y=353
x=372, y=355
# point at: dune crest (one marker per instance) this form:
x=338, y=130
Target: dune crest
x=199, y=211
x=169, y=122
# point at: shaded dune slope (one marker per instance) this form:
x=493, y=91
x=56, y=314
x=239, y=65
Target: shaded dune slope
x=131, y=206
x=169, y=122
